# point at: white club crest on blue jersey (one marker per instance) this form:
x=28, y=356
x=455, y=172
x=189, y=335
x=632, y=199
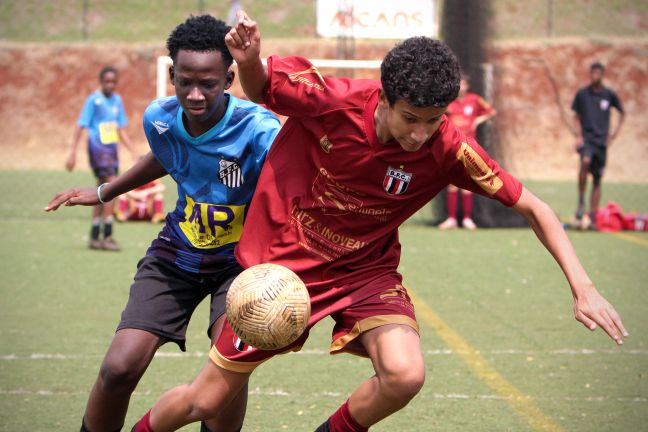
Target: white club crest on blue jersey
x=230, y=173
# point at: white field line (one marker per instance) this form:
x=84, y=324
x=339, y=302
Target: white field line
x=283, y=393
x=321, y=352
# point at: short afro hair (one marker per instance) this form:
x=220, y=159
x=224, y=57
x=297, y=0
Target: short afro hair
x=597, y=65
x=422, y=71
x=201, y=33
x=106, y=70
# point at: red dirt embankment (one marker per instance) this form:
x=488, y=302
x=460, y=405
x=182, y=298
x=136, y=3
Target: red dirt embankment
x=43, y=86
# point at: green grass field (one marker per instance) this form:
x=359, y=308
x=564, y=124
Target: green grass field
x=130, y=20
x=502, y=349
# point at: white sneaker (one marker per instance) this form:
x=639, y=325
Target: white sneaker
x=449, y=223
x=469, y=224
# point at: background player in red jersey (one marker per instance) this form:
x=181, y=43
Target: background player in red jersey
x=145, y=203
x=353, y=161
x=466, y=112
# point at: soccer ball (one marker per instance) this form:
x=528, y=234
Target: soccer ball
x=268, y=306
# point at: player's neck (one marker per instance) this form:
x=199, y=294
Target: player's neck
x=380, y=125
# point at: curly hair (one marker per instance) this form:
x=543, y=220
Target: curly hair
x=422, y=71
x=201, y=33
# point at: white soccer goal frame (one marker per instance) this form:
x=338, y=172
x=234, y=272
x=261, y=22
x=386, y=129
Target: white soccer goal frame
x=163, y=63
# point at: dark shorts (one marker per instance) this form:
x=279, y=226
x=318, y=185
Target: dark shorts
x=597, y=154
x=163, y=297
x=103, y=159
x=105, y=172
x=359, y=307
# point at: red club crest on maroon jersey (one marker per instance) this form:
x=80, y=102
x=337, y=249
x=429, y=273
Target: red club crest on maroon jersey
x=396, y=181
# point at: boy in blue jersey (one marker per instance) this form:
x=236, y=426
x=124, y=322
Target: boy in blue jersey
x=213, y=145
x=104, y=117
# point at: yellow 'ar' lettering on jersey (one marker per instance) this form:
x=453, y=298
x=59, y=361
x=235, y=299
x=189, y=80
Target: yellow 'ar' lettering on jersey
x=209, y=226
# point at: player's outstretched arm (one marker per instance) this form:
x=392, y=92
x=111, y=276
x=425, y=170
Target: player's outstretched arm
x=244, y=43
x=590, y=307
x=71, y=160
x=145, y=170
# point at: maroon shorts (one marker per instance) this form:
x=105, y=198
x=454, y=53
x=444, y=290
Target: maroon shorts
x=355, y=308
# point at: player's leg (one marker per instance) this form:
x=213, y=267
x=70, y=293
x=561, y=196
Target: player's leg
x=95, y=230
x=122, y=212
x=400, y=372
x=107, y=211
x=125, y=362
x=452, y=201
x=230, y=419
x=597, y=168
x=584, y=169
x=158, y=208
x=467, y=207
x=213, y=389
x=161, y=301
x=380, y=324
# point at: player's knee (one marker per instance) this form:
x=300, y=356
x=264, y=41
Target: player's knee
x=596, y=180
x=403, y=381
x=585, y=163
x=119, y=374
x=204, y=405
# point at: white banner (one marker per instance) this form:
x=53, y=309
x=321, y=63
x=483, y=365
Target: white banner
x=377, y=19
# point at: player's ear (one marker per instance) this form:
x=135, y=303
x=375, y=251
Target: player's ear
x=171, y=75
x=382, y=99
x=229, y=79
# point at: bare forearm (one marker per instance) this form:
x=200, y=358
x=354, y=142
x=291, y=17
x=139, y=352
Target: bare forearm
x=125, y=139
x=253, y=77
x=144, y=171
x=590, y=307
x=617, y=129
x=576, y=129
x=550, y=232
x=75, y=140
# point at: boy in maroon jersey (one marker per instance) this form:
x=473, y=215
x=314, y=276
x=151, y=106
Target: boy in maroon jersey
x=354, y=160
x=466, y=112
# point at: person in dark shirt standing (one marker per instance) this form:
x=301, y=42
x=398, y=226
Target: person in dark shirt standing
x=591, y=106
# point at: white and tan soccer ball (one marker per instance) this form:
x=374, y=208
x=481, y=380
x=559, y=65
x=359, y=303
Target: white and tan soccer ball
x=268, y=306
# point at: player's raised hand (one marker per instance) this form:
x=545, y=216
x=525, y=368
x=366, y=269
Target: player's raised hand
x=593, y=310
x=244, y=39
x=72, y=197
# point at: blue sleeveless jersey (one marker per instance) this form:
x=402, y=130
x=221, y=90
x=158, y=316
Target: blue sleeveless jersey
x=216, y=174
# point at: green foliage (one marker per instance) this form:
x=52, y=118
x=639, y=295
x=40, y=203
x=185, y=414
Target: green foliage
x=498, y=289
